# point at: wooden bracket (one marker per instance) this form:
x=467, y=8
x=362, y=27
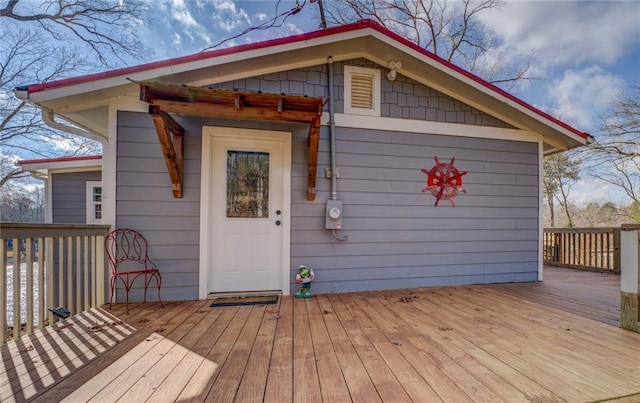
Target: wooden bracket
x=312, y=167
x=219, y=103
x=171, y=138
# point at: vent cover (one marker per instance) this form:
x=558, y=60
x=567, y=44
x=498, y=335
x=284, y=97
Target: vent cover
x=362, y=91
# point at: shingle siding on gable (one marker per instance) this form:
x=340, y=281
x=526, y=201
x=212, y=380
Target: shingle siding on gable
x=69, y=200
x=402, y=98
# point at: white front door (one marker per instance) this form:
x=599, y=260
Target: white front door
x=248, y=213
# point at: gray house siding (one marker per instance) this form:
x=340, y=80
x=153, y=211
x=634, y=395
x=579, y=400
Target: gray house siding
x=144, y=200
x=68, y=196
x=397, y=238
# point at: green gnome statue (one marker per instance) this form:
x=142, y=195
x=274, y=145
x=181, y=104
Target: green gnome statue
x=305, y=276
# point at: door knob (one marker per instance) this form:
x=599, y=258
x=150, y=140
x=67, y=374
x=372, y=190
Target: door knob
x=278, y=222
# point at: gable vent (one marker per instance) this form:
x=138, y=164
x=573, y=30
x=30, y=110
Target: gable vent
x=362, y=91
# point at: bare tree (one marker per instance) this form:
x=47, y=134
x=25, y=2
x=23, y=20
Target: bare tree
x=561, y=172
x=49, y=40
x=615, y=157
x=106, y=27
x=451, y=30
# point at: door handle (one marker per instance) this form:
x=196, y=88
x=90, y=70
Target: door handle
x=278, y=222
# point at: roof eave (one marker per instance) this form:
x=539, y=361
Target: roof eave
x=215, y=67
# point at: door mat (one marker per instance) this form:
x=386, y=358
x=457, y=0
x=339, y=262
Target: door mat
x=254, y=300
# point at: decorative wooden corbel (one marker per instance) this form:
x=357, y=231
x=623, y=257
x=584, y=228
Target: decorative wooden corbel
x=171, y=138
x=312, y=168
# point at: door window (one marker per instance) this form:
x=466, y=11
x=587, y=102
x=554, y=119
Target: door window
x=247, y=184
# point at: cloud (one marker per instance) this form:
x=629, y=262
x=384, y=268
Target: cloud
x=227, y=16
x=180, y=12
x=559, y=32
x=578, y=95
x=176, y=39
x=588, y=190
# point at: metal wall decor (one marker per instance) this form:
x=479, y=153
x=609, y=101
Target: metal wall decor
x=444, y=181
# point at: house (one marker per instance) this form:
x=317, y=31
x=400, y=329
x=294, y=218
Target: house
x=73, y=187
x=318, y=149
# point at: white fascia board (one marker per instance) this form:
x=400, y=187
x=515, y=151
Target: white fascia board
x=64, y=166
x=428, y=127
x=472, y=83
x=155, y=73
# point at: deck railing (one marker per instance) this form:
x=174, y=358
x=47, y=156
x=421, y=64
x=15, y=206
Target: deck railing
x=44, y=266
x=583, y=248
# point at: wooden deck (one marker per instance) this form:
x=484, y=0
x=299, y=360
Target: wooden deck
x=589, y=294
x=472, y=343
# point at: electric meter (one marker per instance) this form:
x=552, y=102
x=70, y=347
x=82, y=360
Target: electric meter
x=334, y=213
x=333, y=218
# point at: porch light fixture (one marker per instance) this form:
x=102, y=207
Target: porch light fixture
x=393, y=66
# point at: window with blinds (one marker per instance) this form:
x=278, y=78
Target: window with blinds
x=362, y=91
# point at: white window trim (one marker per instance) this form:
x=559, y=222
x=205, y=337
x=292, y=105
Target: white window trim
x=89, y=202
x=376, y=91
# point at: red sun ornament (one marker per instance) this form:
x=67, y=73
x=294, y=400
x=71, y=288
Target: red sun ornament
x=444, y=181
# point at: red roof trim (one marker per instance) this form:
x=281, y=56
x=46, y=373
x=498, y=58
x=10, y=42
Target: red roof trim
x=298, y=38
x=200, y=56
x=61, y=159
x=477, y=79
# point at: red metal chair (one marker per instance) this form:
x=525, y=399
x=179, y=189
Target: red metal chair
x=128, y=259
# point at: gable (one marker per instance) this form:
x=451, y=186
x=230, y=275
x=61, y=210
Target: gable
x=403, y=98
x=72, y=98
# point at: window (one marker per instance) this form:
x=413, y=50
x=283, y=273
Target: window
x=361, y=91
x=247, y=184
x=94, y=202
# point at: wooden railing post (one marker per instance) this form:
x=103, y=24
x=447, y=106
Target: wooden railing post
x=3, y=291
x=100, y=271
x=17, y=297
x=630, y=277
x=616, y=251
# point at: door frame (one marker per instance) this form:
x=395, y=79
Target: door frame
x=206, y=233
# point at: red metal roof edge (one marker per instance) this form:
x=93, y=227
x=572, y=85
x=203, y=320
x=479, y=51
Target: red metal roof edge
x=200, y=56
x=302, y=37
x=61, y=159
x=475, y=78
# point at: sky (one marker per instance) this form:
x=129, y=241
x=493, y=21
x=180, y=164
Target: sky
x=585, y=52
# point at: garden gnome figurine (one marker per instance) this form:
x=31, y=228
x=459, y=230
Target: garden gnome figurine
x=305, y=276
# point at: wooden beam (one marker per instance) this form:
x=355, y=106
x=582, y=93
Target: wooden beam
x=228, y=111
x=171, y=138
x=219, y=103
x=312, y=166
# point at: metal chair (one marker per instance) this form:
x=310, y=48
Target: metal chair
x=128, y=259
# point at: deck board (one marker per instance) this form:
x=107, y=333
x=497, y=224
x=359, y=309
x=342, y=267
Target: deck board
x=332, y=383
x=306, y=384
x=505, y=342
x=279, y=386
x=359, y=384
